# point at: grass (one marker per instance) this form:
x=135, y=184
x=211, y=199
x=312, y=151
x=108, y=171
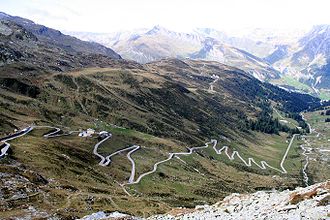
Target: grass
x=324, y=94
x=293, y=163
x=69, y=161
x=291, y=123
x=163, y=185
x=295, y=83
x=181, y=184
x=269, y=148
x=291, y=81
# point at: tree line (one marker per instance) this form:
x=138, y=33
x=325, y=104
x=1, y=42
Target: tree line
x=265, y=122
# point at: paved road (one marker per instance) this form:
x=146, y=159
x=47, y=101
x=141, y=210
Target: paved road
x=304, y=153
x=108, y=158
x=105, y=161
x=170, y=156
x=17, y=134
x=6, y=145
x=263, y=164
x=55, y=133
x=132, y=176
x=102, y=162
x=52, y=133
x=286, y=152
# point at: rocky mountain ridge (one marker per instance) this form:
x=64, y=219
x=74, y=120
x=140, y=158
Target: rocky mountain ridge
x=159, y=42
x=33, y=45
x=306, y=62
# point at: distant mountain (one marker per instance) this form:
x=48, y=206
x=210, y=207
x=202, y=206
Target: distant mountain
x=107, y=39
x=309, y=60
x=314, y=48
x=214, y=50
x=314, y=57
x=159, y=42
x=256, y=47
x=280, y=52
x=24, y=41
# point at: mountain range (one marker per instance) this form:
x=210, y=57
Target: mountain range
x=298, y=61
x=308, y=60
x=146, y=46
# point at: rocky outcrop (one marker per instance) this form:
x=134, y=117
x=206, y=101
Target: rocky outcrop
x=303, y=203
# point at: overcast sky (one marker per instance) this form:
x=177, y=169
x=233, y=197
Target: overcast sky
x=179, y=15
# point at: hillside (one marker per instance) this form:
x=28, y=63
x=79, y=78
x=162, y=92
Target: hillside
x=165, y=107
x=32, y=45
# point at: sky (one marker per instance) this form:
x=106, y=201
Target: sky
x=180, y=15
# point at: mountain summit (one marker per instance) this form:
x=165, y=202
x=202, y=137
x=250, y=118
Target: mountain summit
x=159, y=42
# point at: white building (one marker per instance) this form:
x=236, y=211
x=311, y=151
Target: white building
x=88, y=133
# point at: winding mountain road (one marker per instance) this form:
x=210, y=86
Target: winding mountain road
x=6, y=145
x=304, y=149
x=263, y=164
x=108, y=158
x=102, y=162
x=105, y=161
x=132, y=176
x=286, y=152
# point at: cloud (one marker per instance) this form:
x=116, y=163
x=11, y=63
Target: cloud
x=46, y=15
x=113, y=15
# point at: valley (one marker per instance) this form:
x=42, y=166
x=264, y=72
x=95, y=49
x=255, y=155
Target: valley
x=316, y=147
x=127, y=172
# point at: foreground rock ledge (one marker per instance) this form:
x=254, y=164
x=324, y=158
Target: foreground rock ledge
x=303, y=203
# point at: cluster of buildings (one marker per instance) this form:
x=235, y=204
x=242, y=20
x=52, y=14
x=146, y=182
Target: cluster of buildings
x=90, y=132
